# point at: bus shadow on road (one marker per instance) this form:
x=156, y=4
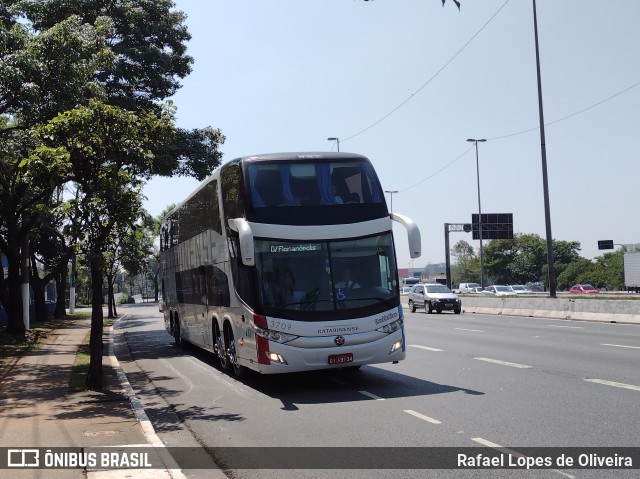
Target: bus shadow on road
x=312, y=387
x=337, y=386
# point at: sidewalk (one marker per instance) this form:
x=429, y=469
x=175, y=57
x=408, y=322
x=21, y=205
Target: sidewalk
x=37, y=410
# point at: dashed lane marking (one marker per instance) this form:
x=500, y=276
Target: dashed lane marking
x=614, y=384
x=472, y=330
x=424, y=347
x=493, y=445
x=506, y=450
x=422, y=416
x=504, y=363
x=620, y=346
x=371, y=395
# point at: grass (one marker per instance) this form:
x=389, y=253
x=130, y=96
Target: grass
x=77, y=381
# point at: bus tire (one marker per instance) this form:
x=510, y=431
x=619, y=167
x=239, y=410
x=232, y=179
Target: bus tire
x=232, y=353
x=177, y=336
x=221, y=349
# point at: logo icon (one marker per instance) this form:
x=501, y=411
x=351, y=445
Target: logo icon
x=23, y=458
x=339, y=340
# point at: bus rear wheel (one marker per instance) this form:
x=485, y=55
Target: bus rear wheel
x=221, y=350
x=177, y=336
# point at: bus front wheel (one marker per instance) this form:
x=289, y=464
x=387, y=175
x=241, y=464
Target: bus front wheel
x=232, y=354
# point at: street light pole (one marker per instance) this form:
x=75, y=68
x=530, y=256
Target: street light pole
x=337, y=140
x=391, y=192
x=476, y=141
x=545, y=179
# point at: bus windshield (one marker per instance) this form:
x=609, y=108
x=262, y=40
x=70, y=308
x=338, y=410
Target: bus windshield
x=320, y=280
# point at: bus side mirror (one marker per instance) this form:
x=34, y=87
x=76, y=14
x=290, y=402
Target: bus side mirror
x=413, y=233
x=247, y=251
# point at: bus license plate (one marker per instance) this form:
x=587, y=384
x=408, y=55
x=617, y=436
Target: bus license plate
x=340, y=358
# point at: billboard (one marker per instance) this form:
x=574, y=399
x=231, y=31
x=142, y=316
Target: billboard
x=494, y=226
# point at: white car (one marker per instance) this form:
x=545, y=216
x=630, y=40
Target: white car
x=434, y=297
x=521, y=289
x=465, y=287
x=498, y=290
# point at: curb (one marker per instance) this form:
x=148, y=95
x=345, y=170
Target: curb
x=148, y=431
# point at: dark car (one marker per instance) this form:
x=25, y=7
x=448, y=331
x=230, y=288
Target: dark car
x=583, y=289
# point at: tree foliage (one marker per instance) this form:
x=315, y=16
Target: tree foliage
x=147, y=43
x=41, y=74
x=524, y=259
x=81, y=91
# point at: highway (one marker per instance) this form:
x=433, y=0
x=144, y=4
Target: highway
x=468, y=381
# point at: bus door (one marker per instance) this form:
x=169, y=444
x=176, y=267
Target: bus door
x=218, y=298
x=207, y=283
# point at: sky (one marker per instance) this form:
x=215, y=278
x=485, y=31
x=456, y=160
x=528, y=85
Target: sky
x=407, y=82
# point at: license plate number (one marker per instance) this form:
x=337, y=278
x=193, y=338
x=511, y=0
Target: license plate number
x=341, y=358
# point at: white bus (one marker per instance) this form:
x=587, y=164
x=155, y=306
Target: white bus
x=249, y=265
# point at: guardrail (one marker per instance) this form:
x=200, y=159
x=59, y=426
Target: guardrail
x=582, y=309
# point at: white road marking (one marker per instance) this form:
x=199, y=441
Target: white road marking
x=506, y=450
x=148, y=431
x=620, y=346
x=371, y=395
x=570, y=327
x=614, y=384
x=472, y=330
x=422, y=416
x=504, y=363
x=493, y=445
x=424, y=347
x=238, y=388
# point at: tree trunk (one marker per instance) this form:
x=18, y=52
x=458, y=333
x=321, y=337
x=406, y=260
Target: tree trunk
x=39, y=303
x=38, y=285
x=60, y=310
x=94, y=376
x=15, y=323
x=111, y=304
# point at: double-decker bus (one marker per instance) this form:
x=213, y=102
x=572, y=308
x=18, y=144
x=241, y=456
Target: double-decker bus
x=250, y=264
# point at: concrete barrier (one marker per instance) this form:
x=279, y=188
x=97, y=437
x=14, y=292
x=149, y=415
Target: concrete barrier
x=604, y=310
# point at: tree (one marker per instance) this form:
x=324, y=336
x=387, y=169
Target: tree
x=148, y=43
x=40, y=75
x=467, y=264
x=116, y=140
x=109, y=150
x=523, y=258
x=124, y=239
x=571, y=272
x=607, y=272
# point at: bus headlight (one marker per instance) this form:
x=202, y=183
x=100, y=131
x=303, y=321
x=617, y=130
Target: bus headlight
x=391, y=327
x=275, y=357
x=397, y=345
x=276, y=336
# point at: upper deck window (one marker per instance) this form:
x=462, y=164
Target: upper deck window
x=312, y=183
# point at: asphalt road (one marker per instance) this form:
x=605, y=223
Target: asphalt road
x=468, y=381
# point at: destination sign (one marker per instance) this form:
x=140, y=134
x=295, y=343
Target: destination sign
x=295, y=248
